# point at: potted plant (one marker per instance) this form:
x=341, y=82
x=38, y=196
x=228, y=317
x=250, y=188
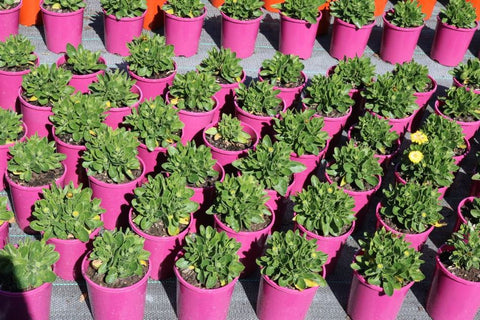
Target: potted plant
x=161, y=214
x=257, y=104
x=84, y=64
x=454, y=285
x=9, y=13
x=13, y=67
x=455, y=24
x=76, y=119
x=284, y=72
x=116, y=272
x=229, y=139
x=240, y=24
x=158, y=126
x=68, y=218
x=292, y=270
x=467, y=75
x=41, y=88
x=119, y=92
x=114, y=171
x=240, y=211
x=62, y=23
x=12, y=131
x=384, y=269
x=353, y=22
x=6, y=217
x=122, y=22
x=34, y=166
x=207, y=270
x=298, y=26
x=183, y=25
x=193, y=93
x=468, y=211
x=26, y=278
x=325, y=213
x=151, y=64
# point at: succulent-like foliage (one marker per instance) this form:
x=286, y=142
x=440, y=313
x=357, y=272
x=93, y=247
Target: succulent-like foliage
x=448, y=132
x=63, y=5
x=184, y=8
x=283, y=70
x=67, y=213
x=473, y=214
x=259, y=98
x=300, y=9
x=229, y=129
x=83, y=61
x=8, y=4
x=11, y=126
x=212, y=257
x=16, y=53
x=412, y=74
x=461, y=104
x=406, y=14
x=5, y=214
x=466, y=247
x=467, y=73
x=114, y=87
x=375, y=132
x=223, y=64
x=459, y=13
x=124, y=8
x=357, y=12
x=242, y=10
x=357, y=71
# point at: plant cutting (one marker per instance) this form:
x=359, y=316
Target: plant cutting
x=240, y=24
x=207, y=270
x=62, y=23
x=298, y=26
x=325, y=213
x=401, y=25
x=158, y=126
x=468, y=211
x=119, y=92
x=9, y=13
x=84, y=64
x=183, y=25
x=34, y=166
x=12, y=131
x=116, y=271
x=16, y=59
x=456, y=284
x=151, y=64
x=41, y=88
x=455, y=24
x=68, y=218
x=467, y=75
x=384, y=269
x=284, y=72
x=161, y=214
x=193, y=94
x=122, y=22
x=292, y=270
x=26, y=278
x=6, y=217
x=353, y=22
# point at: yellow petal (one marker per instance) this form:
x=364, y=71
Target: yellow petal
x=56, y=6
x=33, y=98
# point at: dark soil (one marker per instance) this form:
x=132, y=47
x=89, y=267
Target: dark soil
x=227, y=145
x=467, y=207
x=69, y=67
x=466, y=118
x=342, y=232
x=254, y=226
x=104, y=177
x=158, y=229
x=119, y=283
x=357, y=139
x=471, y=275
x=392, y=224
x=16, y=68
x=49, y=8
x=39, y=179
x=458, y=151
x=8, y=7
x=350, y=187
x=333, y=114
x=35, y=103
x=295, y=84
x=221, y=80
x=209, y=182
x=68, y=138
x=191, y=277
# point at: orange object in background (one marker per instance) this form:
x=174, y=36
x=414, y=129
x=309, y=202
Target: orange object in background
x=154, y=15
x=30, y=13
x=217, y=3
x=476, y=5
x=268, y=5
x=324, y=23
x=427, y=7
x=380, y=7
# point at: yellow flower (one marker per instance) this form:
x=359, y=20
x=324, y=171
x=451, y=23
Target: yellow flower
x=379, y=266
x=415, y=156
x=69, y=195
x=143, y=263
x=419, y=137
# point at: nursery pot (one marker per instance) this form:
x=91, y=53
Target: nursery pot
x=422, y=99
x=459, y=158
x=450, y=43
x=240, y=35
x=75, y=171
x=398, y=125
x=451, y=297
x=297, y=36
x=30, y=13
x=277, y=203
x=400, y=179
x=116, y=303
x=154, y=15
x=263, y=125
x=348, y=40
x=333, y=126
x=196, y=121
x=457, y=83
x=4, y=234
x=29, y=305
x=289, y=95
x=468, y=128
x=115, y=116
x=9, y=21
x=120, y=31
x=36, y=118
x=460, y=217
x=152, y=159
x=225, y=97
x=4, y=157
x=81, y=81
x=184, y=33
x=310, y=161
x=62, y=28
x=152, y=87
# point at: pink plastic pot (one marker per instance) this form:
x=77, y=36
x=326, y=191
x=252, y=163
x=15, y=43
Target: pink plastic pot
x=163, y=250
x=451, y=297
x=118, y=32
x=333, y=126
x=297, y=36
x=225, y=157
x=115, y=116
x=62, y=28
x=347, y=40
x=277, y=203
x=152, y=88
x=311, y=162
x=75, y=172
x=36, y=118
x=29, y=305
x=81, y=81
x=184, y=33
x=460, y=217
x=400, y=179
x=240, y=35
x=263, y=125
x=115, y=199
x=469, y=128
x=252, y=242
x=398, y=44
x=398, y=125
x=9, y=21
x=289, y=95
x=225, y=97
x=457, y=83
x=23, y=200
x=450, y=43
x=110, y=303
x=4, y=234
x=422, y=99
x=4, y=157
x=152, y=159
x=459, y=158
x=196, y=121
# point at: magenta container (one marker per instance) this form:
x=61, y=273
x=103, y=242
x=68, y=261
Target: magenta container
x=240, y=35
x=398, y=125
x=75, y=171
x=36, y=118
x=81, y=81
x=422, y=99
x=9, y=21
x=398, y=44
x=151, y=88
x=118, y=32
x=115, y=199
x=29, y=305
x=184, y=33
x=225, y=157
x=333, y=126
x=262, y=125
x=450, y=43
x=225, y=97
x=109, y=303
x=459, y=158
x=152, y=159
x=4, y=157
x=457, y=83
x=451, y=297
x=297, y=36
x=289, y=95
x=115, y=116
x=399, y=179
x=347, y=40
x=469, y=128
x=460, y=218
x=4, y=234
x=62, y=28
x=196, y=121
x=311, y=161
